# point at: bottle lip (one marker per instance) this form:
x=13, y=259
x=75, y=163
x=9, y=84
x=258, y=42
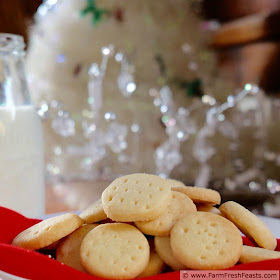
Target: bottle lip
x=11, y=42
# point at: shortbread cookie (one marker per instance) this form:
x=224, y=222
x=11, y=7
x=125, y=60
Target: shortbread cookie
x=200, y=195
x=68, y=252
x=163, y=248
x=136, y=197
x=175, y=183
x=94, y=213
x=254, y=254
x=47, y=231
x=155, y=266
x=253, y=227
x=52, y=246
x=179, y=205
x=115, y=251
x=204, y=240
x=208, y=208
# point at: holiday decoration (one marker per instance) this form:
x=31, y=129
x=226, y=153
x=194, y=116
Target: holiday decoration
x=66, y=41
x=98, y=143
x=216, y=121
x=179, y=126
x=129, y=86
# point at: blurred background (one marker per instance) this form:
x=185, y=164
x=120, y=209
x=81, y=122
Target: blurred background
x=186, y=89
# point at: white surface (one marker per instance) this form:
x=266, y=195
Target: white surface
x=273, y=224
x=21, y=160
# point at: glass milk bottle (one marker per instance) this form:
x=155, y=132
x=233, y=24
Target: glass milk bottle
x=21, y=139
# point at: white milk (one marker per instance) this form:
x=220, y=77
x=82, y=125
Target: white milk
x=21, y=161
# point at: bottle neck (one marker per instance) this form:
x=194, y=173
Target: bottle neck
x=13, y=84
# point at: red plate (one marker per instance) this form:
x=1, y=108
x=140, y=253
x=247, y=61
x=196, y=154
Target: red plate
x=32, y=265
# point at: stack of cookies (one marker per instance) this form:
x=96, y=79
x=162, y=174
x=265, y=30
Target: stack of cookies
x=144, y=225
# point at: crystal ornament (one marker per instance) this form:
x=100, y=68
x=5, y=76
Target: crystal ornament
x=95, y=85
x=119, y=56
x=273, y=186
x=94, y=70
x=203, y=176
x=254, y=186
x=116, y=137
x=186, y=124
x=126, y=84
x=227, y=129
x=97, y=149
x=57, y=150
x=108, y=50
x=153, y=92
x=183, y=112
x=207, y=99
x=157, y=102
x=124, y=159
x=56, y=105
x=88, y=128
x=63, y=125
x=102, y=133
x=135, y=128
x=167, y=102
x=86, y=164
x=211, y=117
x=182, y=136
x=95, y=92
x=43, y=111
x=255, y=89
x=179, y=126
x=44, y=107
x=94, y=148
x=248, y=87
x=203, y=150
x=216, y=121
x=52, y=170
x=110, y=116
x=167, y=156
x=125, y=79
x=230, y=101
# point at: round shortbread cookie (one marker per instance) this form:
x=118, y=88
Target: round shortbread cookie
x=208, y=208
x=115, y=251
x=155, y=266
x=47, y=231
x=136, y=197
x=179, y=205
x=175, y=183
x=204, y=240
x=254, y=254
x=163, y=248
x=200, y=195
x=253, y=227
x=68, y=252
x=52, y=246
x=94, y=213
